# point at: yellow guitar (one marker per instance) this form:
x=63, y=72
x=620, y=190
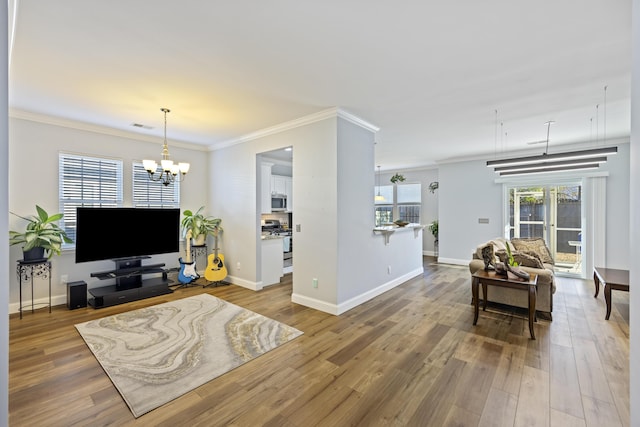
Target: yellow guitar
x=216, y=270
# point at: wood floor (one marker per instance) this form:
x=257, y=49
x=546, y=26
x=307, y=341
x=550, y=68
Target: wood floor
x=410, y=357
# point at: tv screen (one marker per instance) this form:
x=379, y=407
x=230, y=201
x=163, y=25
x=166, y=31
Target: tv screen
x=115, y=233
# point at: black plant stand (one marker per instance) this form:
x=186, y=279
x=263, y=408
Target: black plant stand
x=27, y=270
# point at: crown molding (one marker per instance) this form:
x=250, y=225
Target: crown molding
x=102, y=130
x=292, y=124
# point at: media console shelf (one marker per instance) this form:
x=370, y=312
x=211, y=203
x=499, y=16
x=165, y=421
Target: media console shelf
x=129, y=284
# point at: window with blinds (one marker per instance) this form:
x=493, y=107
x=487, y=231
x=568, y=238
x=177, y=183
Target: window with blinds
x=409, y=201
x=149, y=194
x=87, y=181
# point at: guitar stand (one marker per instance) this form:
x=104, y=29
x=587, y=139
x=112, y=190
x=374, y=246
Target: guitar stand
x=214, y=284
x=184, y=285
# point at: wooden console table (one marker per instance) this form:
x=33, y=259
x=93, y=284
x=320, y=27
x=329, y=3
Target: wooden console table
x=491, y=278
x=611, y=279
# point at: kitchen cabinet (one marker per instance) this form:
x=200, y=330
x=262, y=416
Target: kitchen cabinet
x=265, y=187
x=278, y=184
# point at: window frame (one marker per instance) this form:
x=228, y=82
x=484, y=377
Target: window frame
x=87, y=181
x=152, y=194
x=394, y=204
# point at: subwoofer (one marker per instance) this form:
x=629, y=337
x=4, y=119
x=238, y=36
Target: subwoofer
x=76, y=294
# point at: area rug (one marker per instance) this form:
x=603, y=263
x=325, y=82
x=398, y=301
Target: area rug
x=156, y=354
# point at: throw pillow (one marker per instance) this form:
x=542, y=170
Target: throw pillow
x=527, y=260
x=536, y=245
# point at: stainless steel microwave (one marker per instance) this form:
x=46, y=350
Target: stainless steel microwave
x=278, y=202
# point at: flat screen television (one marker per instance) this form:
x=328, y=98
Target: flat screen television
x=120, y=233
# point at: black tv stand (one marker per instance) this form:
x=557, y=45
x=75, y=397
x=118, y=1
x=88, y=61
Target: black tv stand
x=129, y=285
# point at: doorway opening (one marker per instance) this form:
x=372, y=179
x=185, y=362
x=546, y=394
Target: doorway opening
x=554, y=213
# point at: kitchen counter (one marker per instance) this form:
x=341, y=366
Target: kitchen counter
x=388, y=230
x=271, y=237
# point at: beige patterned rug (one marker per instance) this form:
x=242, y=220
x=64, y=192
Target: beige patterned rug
x=156, y=354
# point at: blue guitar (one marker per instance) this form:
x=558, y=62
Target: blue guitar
x=188, y=271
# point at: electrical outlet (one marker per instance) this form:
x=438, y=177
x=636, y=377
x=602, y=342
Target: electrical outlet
x=238, y=265
x=314, y=282
x=64, y=278
x=388, y=269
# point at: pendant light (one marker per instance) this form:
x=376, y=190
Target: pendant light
x=379, y=197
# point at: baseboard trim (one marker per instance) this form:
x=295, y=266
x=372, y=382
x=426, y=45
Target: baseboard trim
x=355, y=301
x=453, y=261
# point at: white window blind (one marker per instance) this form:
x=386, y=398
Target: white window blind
x=87, y=181
x=385, y=191
x=409, y=200
x=409, y=193
x=149, y=194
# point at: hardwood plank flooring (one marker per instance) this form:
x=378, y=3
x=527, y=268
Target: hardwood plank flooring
x=410, y=357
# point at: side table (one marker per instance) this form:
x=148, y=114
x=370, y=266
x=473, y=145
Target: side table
x=27, y=270
x=491, y=278
x=612, y=279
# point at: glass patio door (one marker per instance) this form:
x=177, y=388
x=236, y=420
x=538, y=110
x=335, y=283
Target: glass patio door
x=554, y=213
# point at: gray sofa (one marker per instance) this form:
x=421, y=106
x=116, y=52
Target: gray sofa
x=546, y=278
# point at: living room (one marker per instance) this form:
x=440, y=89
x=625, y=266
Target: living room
x=36, y=140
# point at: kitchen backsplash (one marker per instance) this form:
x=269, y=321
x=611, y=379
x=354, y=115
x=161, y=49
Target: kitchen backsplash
x=283, y=217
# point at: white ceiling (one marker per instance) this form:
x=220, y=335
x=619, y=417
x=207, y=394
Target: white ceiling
x=431, y=74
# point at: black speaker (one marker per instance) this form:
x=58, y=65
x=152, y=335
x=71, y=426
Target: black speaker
x=76, y=294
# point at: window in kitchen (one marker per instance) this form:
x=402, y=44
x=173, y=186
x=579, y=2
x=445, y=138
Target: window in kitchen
x=402, y=201
x=86, y=181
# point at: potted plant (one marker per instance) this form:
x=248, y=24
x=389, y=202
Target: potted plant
x=201, y=226
x=397, y=178
x=41, y=234
x=433, y=228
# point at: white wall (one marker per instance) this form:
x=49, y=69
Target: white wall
x=333, y=205
x=4, y=220
x=634, y=213
x=463, y=200
x=33, y=179
x=467, y=192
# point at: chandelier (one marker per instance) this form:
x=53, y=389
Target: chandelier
x=170, y=171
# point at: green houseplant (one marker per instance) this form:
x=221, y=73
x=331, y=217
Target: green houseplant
x=41, y=234
x=397, y=178
x=433, y=228
x=200, y=225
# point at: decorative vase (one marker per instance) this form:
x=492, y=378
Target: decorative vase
x=199, y=240
x=34, y=254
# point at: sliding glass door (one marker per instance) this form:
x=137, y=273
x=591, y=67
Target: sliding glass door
x=551, y=212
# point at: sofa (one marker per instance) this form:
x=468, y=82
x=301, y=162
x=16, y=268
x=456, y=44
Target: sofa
x=532, y=256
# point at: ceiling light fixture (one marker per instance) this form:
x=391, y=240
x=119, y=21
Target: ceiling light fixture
x=379, y=197
x=170, y=172
x=558, y=162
